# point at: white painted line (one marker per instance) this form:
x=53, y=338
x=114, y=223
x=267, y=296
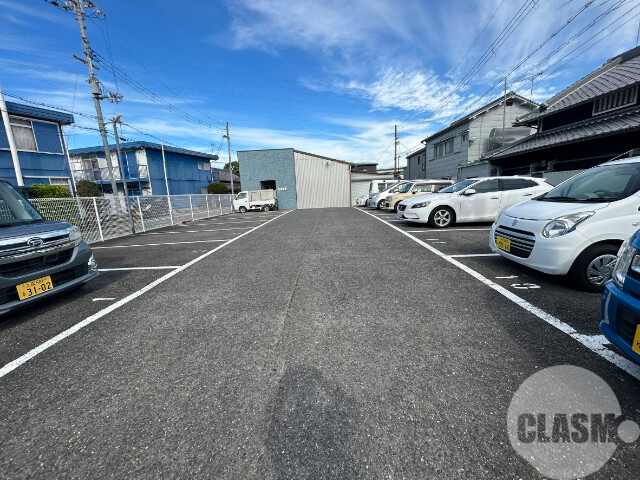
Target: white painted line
x=196, y=231
x=135, y=268
x=476, y=255
x=509, y=276
x=104, y=299
x=9, y=367
x=443, y=230
x=164, y=243
x=595, y=343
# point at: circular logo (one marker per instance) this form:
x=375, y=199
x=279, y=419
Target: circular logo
x=566, y=422
x=35, y=242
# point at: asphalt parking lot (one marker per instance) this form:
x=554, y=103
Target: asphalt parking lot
x=335, y=343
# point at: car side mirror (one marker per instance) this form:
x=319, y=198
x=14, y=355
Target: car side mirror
x=469, y=191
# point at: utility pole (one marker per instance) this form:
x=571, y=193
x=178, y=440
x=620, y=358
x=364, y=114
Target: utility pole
x=504, y=109
x=395, y=152
x=229, y=150
x=78, y=6
x=115, y=121
x=12, y=143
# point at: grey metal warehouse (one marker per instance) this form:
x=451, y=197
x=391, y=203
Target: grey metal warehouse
x=302, y=180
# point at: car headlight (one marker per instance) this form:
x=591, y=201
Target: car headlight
x=563, y=225
x=420, y=205
x=626, y=256
x=75, y=235
x=495, y=222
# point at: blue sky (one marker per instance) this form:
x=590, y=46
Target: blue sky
x=329, y=77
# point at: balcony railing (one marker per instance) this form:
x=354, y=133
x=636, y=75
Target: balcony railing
x=132, y=173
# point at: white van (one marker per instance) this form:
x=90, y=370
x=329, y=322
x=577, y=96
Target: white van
x=576, y=228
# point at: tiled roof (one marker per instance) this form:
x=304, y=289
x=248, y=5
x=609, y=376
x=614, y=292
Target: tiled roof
x=602, y=125
x=619, y=72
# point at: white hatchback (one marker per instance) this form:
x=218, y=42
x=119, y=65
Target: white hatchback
x=577, y=227
x=471, y=200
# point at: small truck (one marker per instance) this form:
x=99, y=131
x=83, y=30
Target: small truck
x=264, y=200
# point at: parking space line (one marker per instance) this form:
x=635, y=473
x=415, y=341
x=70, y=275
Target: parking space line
x=9, y=367
x=196, y=231
x=595, y=343
x=443, y=230
x=476, y=255
x=104, y=299
x=157, y=244
x=126, y=269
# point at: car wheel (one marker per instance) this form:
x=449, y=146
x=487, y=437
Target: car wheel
x=395, y=208
x=242, y=209
x=380, y=204
x=266, y=208
x=441, y=217
x=594, y=267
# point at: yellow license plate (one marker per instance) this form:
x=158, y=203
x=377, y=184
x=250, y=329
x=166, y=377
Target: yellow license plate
x=34, y=287
x=636, y=340
x=503, y=243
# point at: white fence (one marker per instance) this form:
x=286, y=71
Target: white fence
x=102, y=218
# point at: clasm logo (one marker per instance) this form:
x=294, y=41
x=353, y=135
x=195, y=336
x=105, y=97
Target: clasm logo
x=566, y=422
x=565, y=428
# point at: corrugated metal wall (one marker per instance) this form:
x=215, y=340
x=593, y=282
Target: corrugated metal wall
x=320, y=182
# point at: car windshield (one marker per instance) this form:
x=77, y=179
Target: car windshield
x=406, y=187
x=14, y=209
x=456, y=187
x=607, y=183
x=392, y=186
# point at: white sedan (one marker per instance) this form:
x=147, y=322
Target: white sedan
x=471, y=200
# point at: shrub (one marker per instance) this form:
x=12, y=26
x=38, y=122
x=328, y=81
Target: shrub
x=217, y=188
x=44, y=190
x=86, y=188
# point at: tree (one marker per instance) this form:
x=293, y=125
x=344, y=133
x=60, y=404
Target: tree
x=234, y=166
x=44, y=190
x=217, y=188
x=86, y=188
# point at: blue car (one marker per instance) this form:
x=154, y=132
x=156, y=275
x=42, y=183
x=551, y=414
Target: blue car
x=620, y=320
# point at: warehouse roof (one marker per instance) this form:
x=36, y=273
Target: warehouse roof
x=618, y=72
x=138, y=145
x=603, y=125
x=37, y=112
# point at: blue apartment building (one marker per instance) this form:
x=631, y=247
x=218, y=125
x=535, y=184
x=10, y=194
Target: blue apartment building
x=42, y=153
x=188, y=171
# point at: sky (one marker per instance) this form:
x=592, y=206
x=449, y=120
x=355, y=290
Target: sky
x=327, y=77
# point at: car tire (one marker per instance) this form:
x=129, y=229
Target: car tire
x=242, y=209
x=266, y=208
x=395, y=207
x=441, y=217
x=594, y=266
x=380, y=205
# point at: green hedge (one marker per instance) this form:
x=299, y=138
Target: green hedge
x=43, y=190
x=217, y=188
x=86, y=188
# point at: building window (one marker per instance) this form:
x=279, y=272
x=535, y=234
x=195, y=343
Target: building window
x=448, y=146
x=204, y=166
x=444, y=148
x=61, y=181
x=464, y=136
x=616, y=100
x=23, y=134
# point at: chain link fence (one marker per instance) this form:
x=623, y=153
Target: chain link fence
x=103, y=218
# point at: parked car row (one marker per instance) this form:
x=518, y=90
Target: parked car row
x=586, y=228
